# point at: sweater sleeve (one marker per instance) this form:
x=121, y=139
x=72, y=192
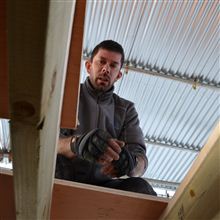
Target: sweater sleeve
x=133, y=135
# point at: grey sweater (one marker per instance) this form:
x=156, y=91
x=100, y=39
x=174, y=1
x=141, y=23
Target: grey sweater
x=108, y=111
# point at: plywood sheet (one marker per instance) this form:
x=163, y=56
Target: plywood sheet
x=81, y=201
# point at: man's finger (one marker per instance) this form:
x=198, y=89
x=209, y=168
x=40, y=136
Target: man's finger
x=105, y=158
x=116, y=145
x=121, y=143
x=111, y=153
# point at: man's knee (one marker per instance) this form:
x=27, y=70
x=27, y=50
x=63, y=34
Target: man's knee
x=63, y=168
x=137, y=184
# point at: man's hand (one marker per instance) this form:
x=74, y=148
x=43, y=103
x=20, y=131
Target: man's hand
x=97, y=146
x=123, y=166
x=112, y=151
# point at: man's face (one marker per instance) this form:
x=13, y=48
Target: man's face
x=104, y=69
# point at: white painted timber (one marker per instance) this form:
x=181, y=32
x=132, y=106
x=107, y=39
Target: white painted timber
x=38, y=41
x=198, y=196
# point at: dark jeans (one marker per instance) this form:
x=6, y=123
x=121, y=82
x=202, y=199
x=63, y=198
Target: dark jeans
x=82, y=171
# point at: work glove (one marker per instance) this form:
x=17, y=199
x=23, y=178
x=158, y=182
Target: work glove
x=126, y=163
x=92, y=145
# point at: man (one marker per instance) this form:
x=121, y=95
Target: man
x=108, y=143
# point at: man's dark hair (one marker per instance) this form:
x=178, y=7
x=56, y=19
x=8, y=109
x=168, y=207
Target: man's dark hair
x=111, y=46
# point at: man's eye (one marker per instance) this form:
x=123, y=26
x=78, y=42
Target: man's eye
x=113, y=65
x=102, y=62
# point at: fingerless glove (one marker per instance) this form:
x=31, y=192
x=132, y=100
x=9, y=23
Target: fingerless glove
x=91, y=145
x=126, y=163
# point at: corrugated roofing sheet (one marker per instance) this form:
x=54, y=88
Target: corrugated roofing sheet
x=171, y=110
x=180, y=37
x=168, y=164
x=4, y=135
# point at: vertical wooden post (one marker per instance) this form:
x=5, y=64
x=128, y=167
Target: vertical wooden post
x=38, y=40
x=71, y=92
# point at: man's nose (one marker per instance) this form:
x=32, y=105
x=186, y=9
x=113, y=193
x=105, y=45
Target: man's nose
x=106, y=68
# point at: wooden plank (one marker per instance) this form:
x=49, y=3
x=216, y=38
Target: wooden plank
x=38, y=40
x=4, y=97
x=80, y=201
x=198, y=196
x=71, y=92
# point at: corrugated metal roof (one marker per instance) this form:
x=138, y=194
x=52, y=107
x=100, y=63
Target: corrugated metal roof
x=175, y=38
x=170, y=110
x=4, y=135
x=178, y=37
x=168, y=164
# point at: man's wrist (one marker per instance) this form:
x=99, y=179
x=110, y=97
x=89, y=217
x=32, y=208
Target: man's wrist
x=140, y=167
x=64, y=147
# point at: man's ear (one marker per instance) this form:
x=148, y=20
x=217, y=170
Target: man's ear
x=119, y=75
x=88, y=66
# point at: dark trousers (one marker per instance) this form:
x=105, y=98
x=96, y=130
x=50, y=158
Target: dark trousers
x=82, y=171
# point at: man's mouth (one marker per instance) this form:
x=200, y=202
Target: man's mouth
x=103, y=79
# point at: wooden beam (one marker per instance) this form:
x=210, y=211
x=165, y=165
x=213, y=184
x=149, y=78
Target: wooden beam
x=4, y=97
x=38, y=40
x=71, y=92
x=198, y=196
x=73, y=200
